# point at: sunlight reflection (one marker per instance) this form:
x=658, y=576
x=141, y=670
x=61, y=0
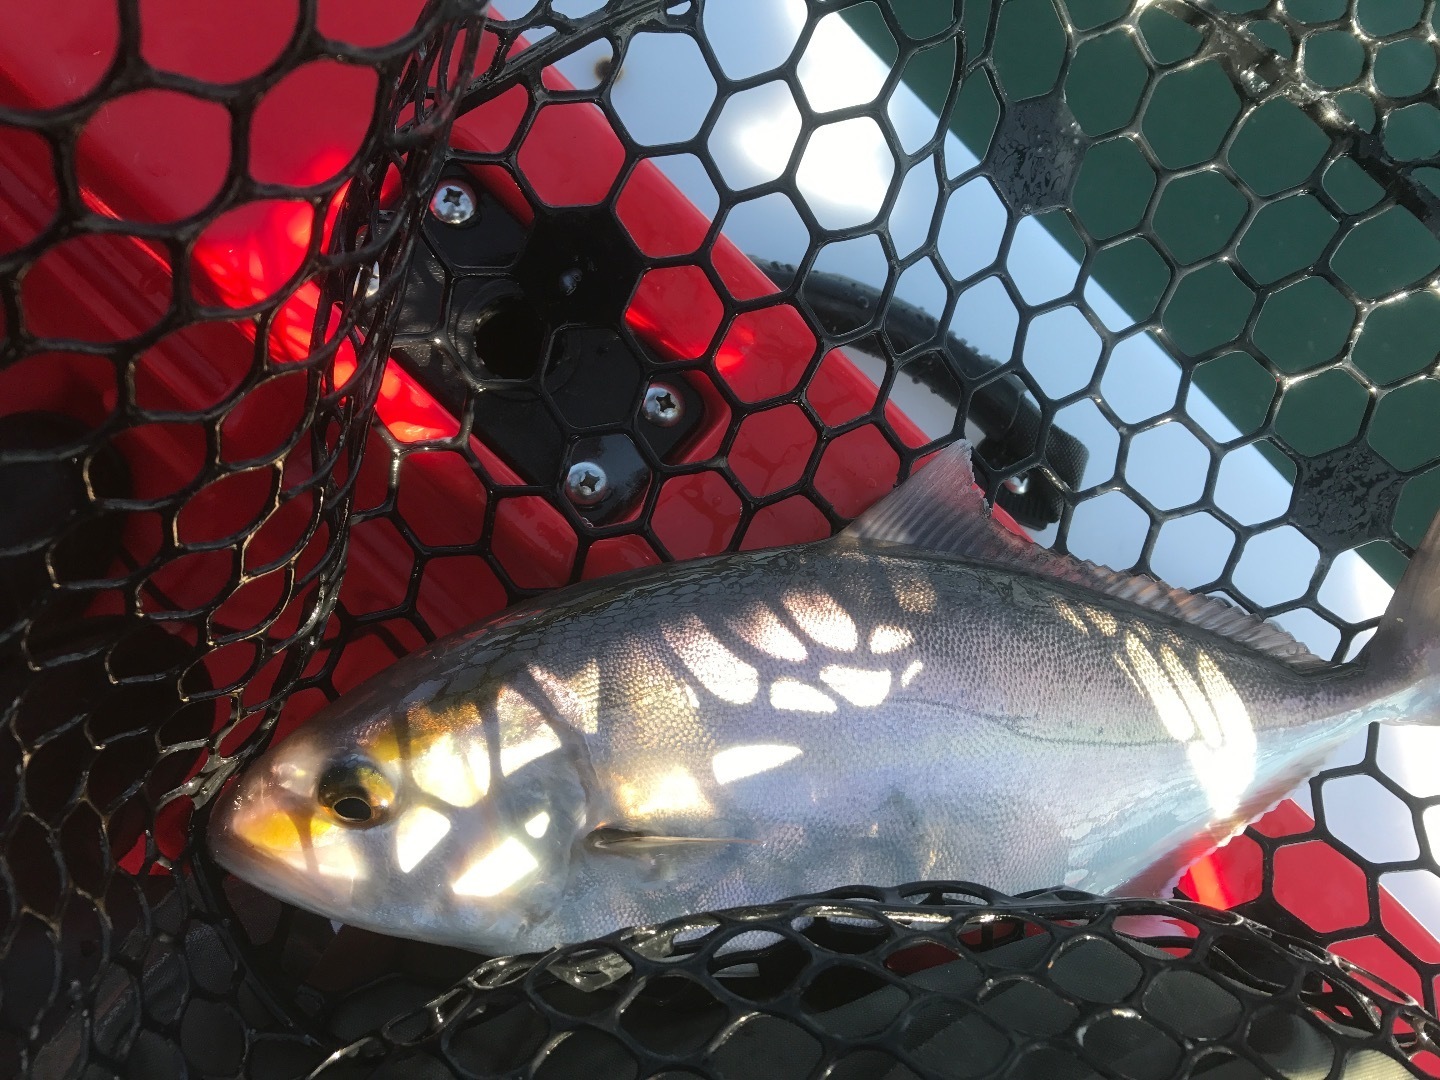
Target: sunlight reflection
x=911, y=672
x=515, y=712
x=294, y=778
x=339, y=859
x=820, y=616
x=795, y=696
x=1147, y=674
x=762, y=630
x=912, y=592
x=1203, y=710
x=1103, y=620
x=859, y=686
x=577, y=697
x=458, y=777
x=675, y=792
x=492, y=874
x=717, y=668
x=416, y=834
x=538, y=825
x=522, y=753
x=1201, y=715
x=739, y=762
x=767, y=133
x=1225, y=770
x=888, y=639
x=1070, y=615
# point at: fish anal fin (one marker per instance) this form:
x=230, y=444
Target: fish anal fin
x=940, y=510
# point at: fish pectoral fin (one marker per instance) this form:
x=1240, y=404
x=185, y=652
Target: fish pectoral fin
x=631, y=842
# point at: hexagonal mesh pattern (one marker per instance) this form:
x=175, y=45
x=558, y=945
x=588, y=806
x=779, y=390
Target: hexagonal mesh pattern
x=1171, y=265
x=943, y=979
x=189, y=354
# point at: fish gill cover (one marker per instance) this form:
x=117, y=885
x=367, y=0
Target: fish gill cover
x=1174, y=263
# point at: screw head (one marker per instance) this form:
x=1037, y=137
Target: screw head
x=586, y=484
x=663, y=405
x=453, y=202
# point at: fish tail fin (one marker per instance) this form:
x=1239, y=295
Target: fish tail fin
x=1404, y=656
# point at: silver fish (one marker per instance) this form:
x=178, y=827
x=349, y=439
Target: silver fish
x=924, y=696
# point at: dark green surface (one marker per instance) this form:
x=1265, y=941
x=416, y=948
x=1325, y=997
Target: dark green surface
x=1322, y=412
x=1197, y=215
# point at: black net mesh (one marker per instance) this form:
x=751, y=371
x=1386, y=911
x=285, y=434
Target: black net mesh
x=941, y=979
x=695, y=277
x=189, y=361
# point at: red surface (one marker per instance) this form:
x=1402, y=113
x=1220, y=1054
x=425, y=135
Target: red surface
x=1233, y=875
x=1340, y=899
x=772, y=448
x=156, y=156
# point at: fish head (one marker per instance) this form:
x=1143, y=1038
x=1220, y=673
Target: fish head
x=443, y=805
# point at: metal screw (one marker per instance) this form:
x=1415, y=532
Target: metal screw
x=1018, y=484
x=586, y=484
x=453, y=202
x=663, y=405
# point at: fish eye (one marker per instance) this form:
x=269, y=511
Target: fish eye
x=355, y=791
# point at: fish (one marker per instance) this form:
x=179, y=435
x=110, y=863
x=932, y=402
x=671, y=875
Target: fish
x=926, y=695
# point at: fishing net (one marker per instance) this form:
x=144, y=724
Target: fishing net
x=287, y=390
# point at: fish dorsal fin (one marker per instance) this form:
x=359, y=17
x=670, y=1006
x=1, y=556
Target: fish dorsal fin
x=940, y=509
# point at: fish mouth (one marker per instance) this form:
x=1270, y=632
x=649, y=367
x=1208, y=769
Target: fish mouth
x=222, y=837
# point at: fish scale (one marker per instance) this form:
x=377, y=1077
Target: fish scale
x=762, y=724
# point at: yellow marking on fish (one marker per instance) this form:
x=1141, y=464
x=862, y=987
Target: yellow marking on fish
x=416, y=834
x=274, y=831
x=822, y=618
x=762, y=630
x=576, y=697
x=385, y=747
x=496, y=871
x=715, y=667
x=738, y=762
x=888, y=639
x=859, y=686
x=795, y=696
